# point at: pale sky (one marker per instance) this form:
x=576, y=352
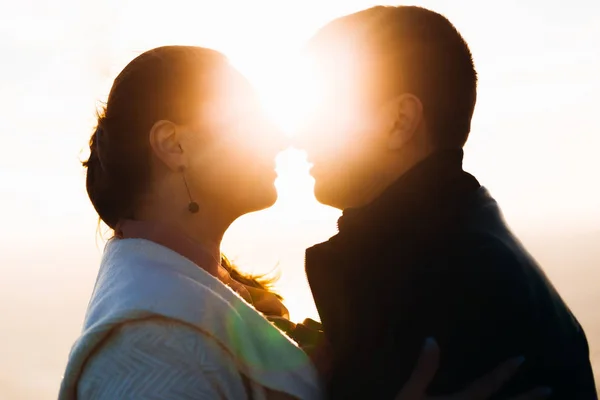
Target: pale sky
x=534, y=142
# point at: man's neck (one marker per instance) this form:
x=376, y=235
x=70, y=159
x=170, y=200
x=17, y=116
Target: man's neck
x=419, y=193
x=397, y=167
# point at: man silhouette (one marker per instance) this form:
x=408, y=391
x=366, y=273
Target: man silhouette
x=422, y=248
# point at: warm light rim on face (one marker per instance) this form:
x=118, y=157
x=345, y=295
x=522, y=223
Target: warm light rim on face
x=289, y=97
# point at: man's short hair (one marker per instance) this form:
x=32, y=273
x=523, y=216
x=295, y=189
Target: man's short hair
x=405, y=49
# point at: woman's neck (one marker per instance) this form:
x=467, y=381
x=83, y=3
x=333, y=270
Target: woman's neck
x=205, y=228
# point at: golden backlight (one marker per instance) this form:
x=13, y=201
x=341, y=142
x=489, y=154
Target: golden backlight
x=290, y=96
x=287, y=89
x=534, y=144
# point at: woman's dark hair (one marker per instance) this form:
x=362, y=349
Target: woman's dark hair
x=166, y=83
x=265, y=282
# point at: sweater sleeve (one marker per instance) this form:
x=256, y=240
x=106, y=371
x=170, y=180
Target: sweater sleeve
x=160, y=359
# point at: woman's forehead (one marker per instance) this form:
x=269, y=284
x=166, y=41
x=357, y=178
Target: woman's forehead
x=233, y=97
x=229, y=82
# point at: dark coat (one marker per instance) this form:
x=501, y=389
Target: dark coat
x=432, y=256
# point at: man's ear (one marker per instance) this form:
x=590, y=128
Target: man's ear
x=406, y=117
x=165, y=144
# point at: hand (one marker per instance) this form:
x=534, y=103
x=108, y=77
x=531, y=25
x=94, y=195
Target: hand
x=481, y=389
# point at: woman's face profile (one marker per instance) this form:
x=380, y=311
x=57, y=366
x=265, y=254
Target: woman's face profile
x=234, y=151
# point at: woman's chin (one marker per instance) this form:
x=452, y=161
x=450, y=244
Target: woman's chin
x=270, y=197
x=266, y=198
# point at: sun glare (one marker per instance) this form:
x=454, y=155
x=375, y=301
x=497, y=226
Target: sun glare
x=289, y=95
x=287, y=90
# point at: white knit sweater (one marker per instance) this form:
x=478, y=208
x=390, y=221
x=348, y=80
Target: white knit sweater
x=160, y=327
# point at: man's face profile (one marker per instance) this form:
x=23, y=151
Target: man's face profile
x=341, y=144
x=351, y=140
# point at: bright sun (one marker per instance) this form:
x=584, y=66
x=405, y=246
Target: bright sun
x=289, y=96
x=287, y=91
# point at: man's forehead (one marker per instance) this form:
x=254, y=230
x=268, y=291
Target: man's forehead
x=350, y=79
x=360, y=53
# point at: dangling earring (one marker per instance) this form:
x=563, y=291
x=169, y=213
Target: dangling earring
x=193, y=207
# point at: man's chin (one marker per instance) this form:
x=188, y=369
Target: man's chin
x=327, y=195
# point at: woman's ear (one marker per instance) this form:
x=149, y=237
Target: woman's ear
x=407, y=114
x=165, y=144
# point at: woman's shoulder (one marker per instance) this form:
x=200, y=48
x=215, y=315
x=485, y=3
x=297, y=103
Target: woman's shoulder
x=156, y=333
x=160, y=356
